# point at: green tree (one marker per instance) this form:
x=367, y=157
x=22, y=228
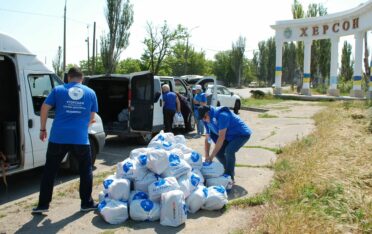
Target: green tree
x=237, y=59
x=57, y=62
x=271, y=50
x=298, y=13
x=289, y=63
x=129, y=65
x=222, y=67
x=347, y=64
x=262, y=63
x=119, y=17
x=159, y=43
x=99, y=69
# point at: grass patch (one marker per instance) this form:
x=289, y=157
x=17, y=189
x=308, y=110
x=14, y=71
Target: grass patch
x=275, y=150
x=324, y=181
x=2, y=215
x=266, y=115
x=253, y=166
x=257, y=200
x=253, y=102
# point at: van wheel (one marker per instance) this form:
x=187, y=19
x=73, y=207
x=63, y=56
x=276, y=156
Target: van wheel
x=144, y=139
x=74, y=163
x=237, y=107
x=190, y=125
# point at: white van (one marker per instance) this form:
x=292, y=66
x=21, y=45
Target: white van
x=25, y=82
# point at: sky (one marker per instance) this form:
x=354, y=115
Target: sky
x=214, y=25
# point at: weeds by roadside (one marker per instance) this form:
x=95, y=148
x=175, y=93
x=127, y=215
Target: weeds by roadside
x=323, y=183
x=268, y=99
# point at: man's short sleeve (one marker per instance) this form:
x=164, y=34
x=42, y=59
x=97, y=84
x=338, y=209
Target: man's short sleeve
x=95, y=104
x=223, y=121
x=203, y=97
x=51, y=99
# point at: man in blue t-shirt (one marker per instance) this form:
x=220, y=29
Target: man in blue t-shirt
x=228, y=131
x=199, y=100
x=171, y=105
x=75, y=106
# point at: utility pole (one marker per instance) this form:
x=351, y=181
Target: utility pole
x=187, y=47
x=87, y=41
x=64, y=40
x=94, y=48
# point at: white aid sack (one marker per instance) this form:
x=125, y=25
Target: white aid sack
x=117, y=188
x=130, y=169
x=188, y=183
x=177, y=152
x=162, y=136
x=113, y=212
x=143, y=184
x=162, y=186
x=183, y=148
x=144, y=210
x=173, y=209
x=178, y=120
x=217, y=198
x=197, y=199
x=176, y=166
x=194, y=159
x=137, y=195
x=224, y=180
x=138, y=152
x=166, y=145
x=180, y=139
x=198, y=172
x=212, y=169
x=102, y=195
x=157, y=160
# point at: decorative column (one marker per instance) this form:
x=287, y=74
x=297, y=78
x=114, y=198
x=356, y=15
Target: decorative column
x=369, y=93
x=278, y=68
x=307, y=60
x=333, y=91
x=357, y=79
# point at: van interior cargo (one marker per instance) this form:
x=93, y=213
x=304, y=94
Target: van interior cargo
x=9, y=111
x=112, y=97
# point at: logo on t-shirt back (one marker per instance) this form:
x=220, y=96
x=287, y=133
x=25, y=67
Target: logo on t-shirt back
x=75, y=93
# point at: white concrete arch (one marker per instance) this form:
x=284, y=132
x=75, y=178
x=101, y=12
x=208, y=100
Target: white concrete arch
x=355, y=22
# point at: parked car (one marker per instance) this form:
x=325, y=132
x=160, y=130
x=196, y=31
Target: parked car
x=25, y=82
x=225, y=97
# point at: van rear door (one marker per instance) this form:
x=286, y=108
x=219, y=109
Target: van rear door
x=142, y=101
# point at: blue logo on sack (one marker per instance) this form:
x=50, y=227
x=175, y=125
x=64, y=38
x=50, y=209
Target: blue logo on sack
x=143, y=159
x=219, y=189
x=205, y=191
x=102, y=205
x=167, y=144
x=127, y=166
x=140, y=196
x=206, y=164
x=195, y=156
x=195, y=180
x=106, y=183
x=161, y=138
x=174, y=160
x=159, y=182
x=147, y=205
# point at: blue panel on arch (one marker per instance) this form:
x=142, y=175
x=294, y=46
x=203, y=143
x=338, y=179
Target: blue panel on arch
x=356, y=78
x=306, y=75
x=278, y=68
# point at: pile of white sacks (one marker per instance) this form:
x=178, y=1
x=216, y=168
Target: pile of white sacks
x=163, y=182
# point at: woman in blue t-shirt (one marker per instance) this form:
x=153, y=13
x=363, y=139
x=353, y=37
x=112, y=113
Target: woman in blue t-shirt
x=199, y=100
x=228, y=131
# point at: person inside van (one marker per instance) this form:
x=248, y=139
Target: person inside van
x=171, y=106
x=75, y=106
x=229, y=133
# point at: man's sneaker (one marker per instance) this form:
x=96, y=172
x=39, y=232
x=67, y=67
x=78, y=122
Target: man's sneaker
x=89, y=208
x=39, y=210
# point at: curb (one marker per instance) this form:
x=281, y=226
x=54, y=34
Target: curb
x=254, y=109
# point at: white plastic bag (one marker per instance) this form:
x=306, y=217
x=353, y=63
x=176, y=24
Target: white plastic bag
x=162, y=136
x=102, y=195
x=157, y=160
x=117, y=188
x=162, y=186
x=113, y=212
x=224, y=180
x=144, y=210
x=194, y=159
x=188, y=183
x=176, y=166
x=183, y=148
x=138, y=152
x=123, y=115
x=217, y=198
x=180, y=139
x=137, y=195
x=198, y=172
x=173, y=209
x=197, y=199
x=212, y=169
x=131, y=169
x=178, y=120
x=143, y=184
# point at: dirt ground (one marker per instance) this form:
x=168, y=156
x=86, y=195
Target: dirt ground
x=292, y=121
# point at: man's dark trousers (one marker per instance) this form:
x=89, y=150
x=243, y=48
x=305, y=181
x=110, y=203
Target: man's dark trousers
x=55, y=155
x=168, y=119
